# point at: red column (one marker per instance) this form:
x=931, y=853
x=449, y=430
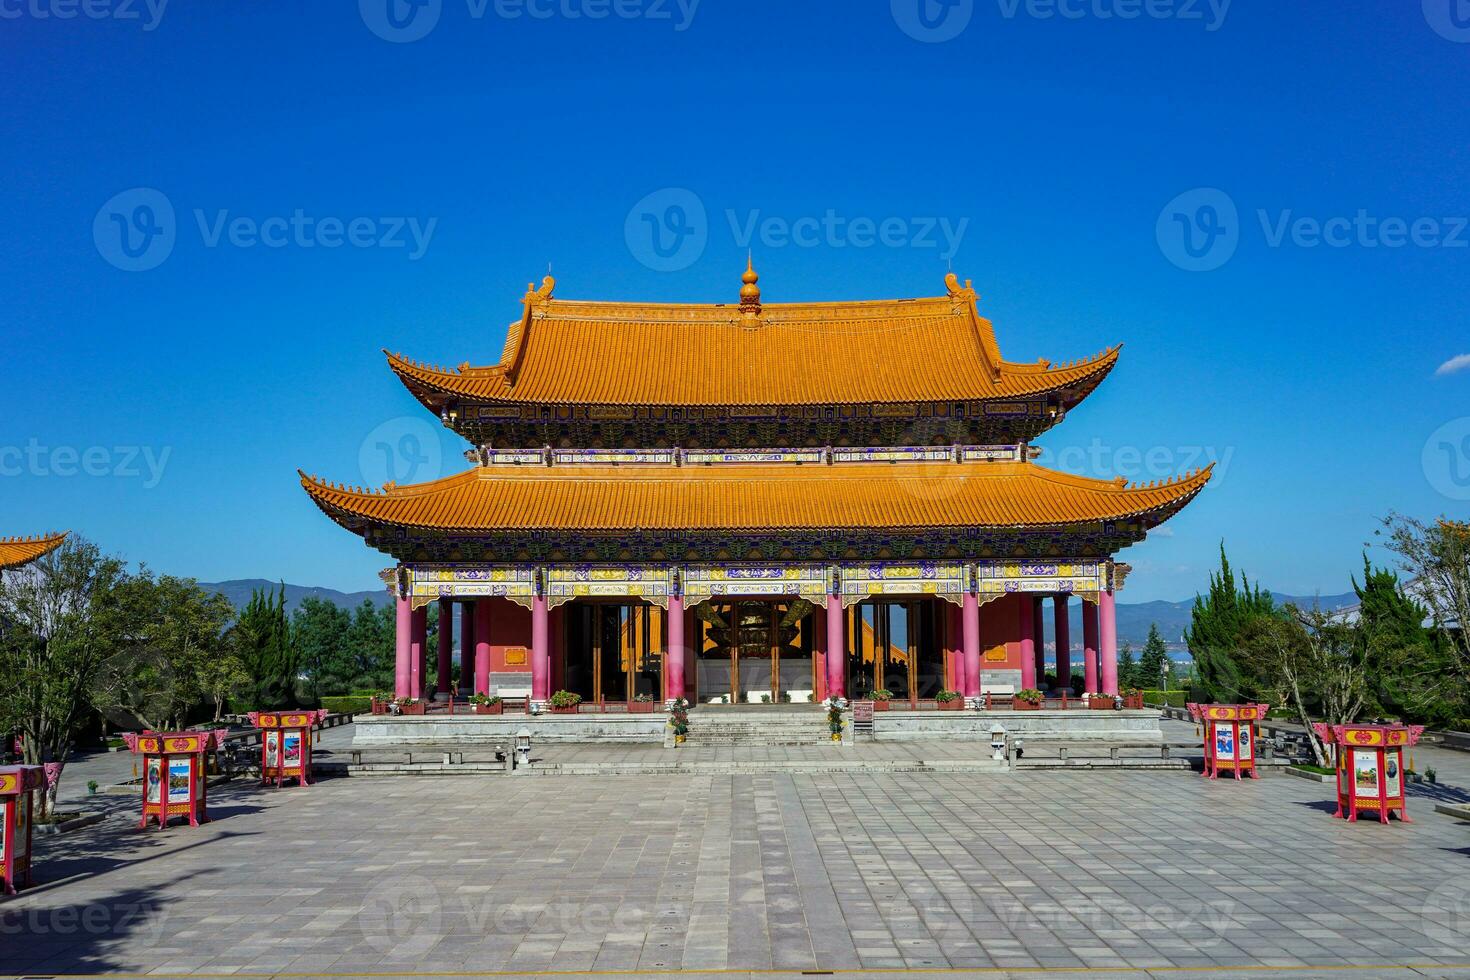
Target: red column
x=1038, y=632
x=418, y=654
x=970, y=619
x=540, y=652
x=446, y=647
x=1026, y=612
x=836, y=649
x=467, y=646
x=1062, y=627
x=482, y=646
x=1089, y=647
x=403, y=650
x=1107, y=624
x=674, y=662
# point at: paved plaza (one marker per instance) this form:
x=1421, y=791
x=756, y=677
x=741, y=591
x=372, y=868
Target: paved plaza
x=1095, y=871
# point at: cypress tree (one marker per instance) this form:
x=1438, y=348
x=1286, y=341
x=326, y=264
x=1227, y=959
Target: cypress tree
x=1218, y=624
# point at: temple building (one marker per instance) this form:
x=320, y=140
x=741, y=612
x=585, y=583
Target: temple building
x=753, y=502
x=15, y=552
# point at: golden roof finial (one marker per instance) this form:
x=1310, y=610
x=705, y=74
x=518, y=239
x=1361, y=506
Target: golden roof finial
x=750, y=293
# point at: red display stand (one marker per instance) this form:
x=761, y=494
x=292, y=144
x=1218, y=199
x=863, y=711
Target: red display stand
x=173, y=775
x=1230, y=736
x=285, y=744
x=17, y=812
x=1370, y=767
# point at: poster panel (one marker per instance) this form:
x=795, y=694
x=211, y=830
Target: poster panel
x=22, y=822
x=272, y=748
x=1365, y=773
x=180, y=775
x=1225, y=741
x=1247, y=743
x=1393, y=776
x=291, y=750
x=154, y=779
x=4, y=822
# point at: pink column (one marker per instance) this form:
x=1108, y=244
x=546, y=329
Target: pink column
x=540, y=652
x=482, y=646
x=446, y=646
x=1026, y=612
x=970, y=620
x=836, y=649
x=674, y=664
x=417, y=652
x=467, y=647
x=1038, y=632
x=1062, y=627
x=1107, y=626
x=403, y=644
x=1089, y=647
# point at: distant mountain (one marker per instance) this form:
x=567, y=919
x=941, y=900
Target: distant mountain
x=238, y=592
x=1134, y=618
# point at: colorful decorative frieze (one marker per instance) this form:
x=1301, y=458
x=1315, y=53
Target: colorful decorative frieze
x=944, y=580
x=564, y=584
x=702, y=582
x=1085, y=579
x=487, y=456
x=427, y=583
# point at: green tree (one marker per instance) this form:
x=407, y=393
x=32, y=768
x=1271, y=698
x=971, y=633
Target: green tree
x=1316, y=664
x=1153, y=663
x=54, y=637
x=1407, y=667
x=319, y=641
x=262, y=640
x=370, y=646
x=1127, y=667
x=1218, y=624
x=1436, y=558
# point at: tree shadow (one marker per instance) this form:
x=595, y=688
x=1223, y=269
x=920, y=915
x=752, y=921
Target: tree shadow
x=1439, y=793
x=1324, y=806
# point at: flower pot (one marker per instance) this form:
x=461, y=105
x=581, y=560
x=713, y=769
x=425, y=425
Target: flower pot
x=1019, y=705
x=414, y=709
x=1134, y=701
x=880, y=705
x=955, y=705
x=836, y=736
x=1100, y=704
x=641, y=707
x=565, y=709
x=498, y=708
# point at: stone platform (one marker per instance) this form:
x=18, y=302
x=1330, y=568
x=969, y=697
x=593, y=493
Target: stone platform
x=784, y=724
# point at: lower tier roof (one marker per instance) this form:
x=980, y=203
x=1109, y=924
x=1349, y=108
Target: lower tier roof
x=15, y=552
x=753, y=499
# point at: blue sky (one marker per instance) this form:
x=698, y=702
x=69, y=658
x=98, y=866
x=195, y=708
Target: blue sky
x=161, y=391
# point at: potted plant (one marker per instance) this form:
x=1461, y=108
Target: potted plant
x=1027, y=699
x=565, y=703
x=1431, y=775
x=881, y=697
x=380, y=703
x=641, y=704
x=1132, y=698
x=679, y=720
x=949, y=701
x=410, y=706
x=834, y=719
x=487, y=704
x=91, y=787
x=1099, y=702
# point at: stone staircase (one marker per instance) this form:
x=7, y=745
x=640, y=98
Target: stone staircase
x=758, y=726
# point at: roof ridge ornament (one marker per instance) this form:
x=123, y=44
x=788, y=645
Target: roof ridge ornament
x=960, y=293
x=750, y=292
x=535, y=296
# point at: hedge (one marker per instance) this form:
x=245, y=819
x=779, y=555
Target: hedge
x=1172, y=699
x=348, y=705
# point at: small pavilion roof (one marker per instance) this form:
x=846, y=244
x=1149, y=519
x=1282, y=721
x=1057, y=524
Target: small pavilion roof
x=933, y=349
x=754, y=498
x=15, y=552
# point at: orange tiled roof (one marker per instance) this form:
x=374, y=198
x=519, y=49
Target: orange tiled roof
x=15, y=552
x=574, y=352
x=754, y=498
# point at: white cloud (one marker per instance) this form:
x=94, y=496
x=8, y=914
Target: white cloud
x=1162, y=532
x=1460, y=362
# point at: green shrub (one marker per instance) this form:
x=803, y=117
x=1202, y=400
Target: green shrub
x=348, y=705
x=1171, y=699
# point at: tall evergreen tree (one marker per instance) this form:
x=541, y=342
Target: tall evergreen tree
x=1218, y=623
x=1153, y=663
x=262, y=637
x=1406, y=668
x=1127, y=667
x=319, y=640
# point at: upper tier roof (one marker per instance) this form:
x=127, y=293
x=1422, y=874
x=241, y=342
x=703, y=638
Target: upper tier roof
x=754, y=498
x=15, y=552
x=937, y=349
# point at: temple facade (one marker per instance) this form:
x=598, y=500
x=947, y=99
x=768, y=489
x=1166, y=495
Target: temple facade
x=753, y=503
